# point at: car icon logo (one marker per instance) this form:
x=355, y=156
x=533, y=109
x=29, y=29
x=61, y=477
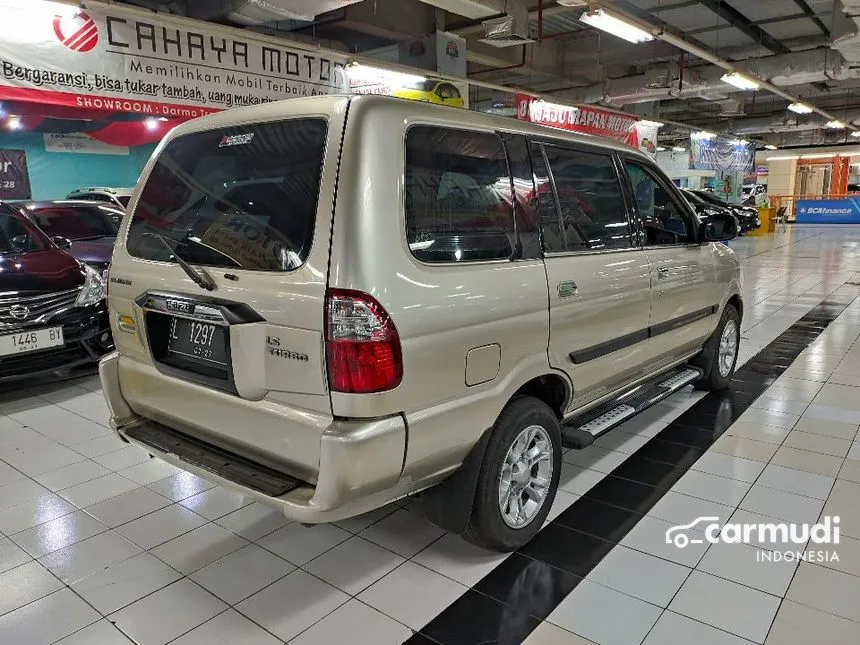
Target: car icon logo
x=19, y=312
x=676, y=535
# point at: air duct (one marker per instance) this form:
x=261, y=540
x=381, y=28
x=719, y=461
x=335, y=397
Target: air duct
x=785, y=123
x=511, y=29
x=474, y=9
x=259, y=12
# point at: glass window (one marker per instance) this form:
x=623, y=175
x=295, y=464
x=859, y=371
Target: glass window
x=459, y=206
x=77, y=222
x=593, y=211
x=17, y=235
x=242, y=197
x=664, y=218
x=124, y=199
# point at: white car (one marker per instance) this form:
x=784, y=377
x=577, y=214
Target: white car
x=117, y=196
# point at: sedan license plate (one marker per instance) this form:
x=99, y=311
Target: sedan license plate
x=31, y=341
x=197, y=341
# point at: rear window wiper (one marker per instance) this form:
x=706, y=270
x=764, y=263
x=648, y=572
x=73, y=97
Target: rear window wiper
x=198, y=277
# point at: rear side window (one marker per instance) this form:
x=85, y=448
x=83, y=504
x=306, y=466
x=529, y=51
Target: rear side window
x=241, y=197
x=77, y=222
x=593, y=212
x=459, y=206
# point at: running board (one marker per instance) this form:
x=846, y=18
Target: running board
x=581, y=432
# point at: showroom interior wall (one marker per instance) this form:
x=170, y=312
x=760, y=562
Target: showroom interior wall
x=53, y=175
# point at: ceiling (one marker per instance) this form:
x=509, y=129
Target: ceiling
x=788, y=42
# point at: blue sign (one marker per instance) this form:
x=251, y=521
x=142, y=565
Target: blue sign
x=829, y=211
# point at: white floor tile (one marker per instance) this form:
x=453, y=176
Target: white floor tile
x=674, y=629
x=649, y=536
x=24, y=584
x=605, y=616
x=71, y=475
x=100, y=633
x=454, y=557
x=198, y=548
x=354, y=565
x=595, y=458
x=830, y=591
x=89, y=556
x=58, y=534
x=127, y=507
x=229, y=628
x=292, y=604
x=154, y=620
x=180, y=486
x=577, y=480
x=638, y=574
x=97, y=490
x=47, y=620
x=161, y=526
x=403, y=532
x=11, y=555
x=149, y=471
x=782, y=505
x=714, y=488
x=745, y=564
x=682, y=509
x=216, y=502
x=360, y=522
x=33, y=512
x=412, y=594
x=339, y=627
x=125, y=582
x=300, y=544
x=726, y=605
x=242, y=573
x=125, y=458
x=253, y=521
x=100, y=446
x=19, y=491
x=796, y=481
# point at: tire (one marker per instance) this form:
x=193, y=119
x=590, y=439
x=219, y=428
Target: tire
x=717, y=366
x=524, y=419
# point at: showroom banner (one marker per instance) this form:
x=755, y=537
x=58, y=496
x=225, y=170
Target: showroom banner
x=725, y=155
x=829, y=211
x=14, y=177
x=589, y=120
x=80, y=144
x=113, y=58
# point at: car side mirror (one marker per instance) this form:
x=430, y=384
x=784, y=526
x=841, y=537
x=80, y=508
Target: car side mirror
x=719, y=228
x=61, y=242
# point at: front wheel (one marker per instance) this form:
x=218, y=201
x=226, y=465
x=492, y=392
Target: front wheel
x=720, y=354
x=518, y=477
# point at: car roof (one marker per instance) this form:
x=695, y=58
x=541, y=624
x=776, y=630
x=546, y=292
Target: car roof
x=103, y=189
x=39, y=205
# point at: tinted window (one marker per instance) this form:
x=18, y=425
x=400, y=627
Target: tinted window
x=458, y=196
x=551, y=228
x=243, y=197
x=17, y=236
x=664, y=218
x=96, y=197
x=78, y=222
x=593, y=212
x=124, y=199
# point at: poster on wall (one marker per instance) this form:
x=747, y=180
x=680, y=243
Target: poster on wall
x=731, y=159
x=77, y=143
x=115, y=58
x=590, y=120
x=14, y=177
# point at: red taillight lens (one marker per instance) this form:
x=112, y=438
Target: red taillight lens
x=362, y=345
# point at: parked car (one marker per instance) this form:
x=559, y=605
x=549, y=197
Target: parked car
x=432, y=91
x=116, y=196
x=747, y=215
x=89, y=228
x=53, y=315
x=361, y=324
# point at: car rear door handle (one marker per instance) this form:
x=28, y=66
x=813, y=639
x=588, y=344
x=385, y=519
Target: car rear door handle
x=662, y=272
x=567, y=289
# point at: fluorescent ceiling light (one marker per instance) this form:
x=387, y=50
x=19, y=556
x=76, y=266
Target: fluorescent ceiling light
x=661, y=149
x=741, y=81
x=368, y=75
x=14, y=122
x=151, y=124
x=783, y=158
x=770, y=147
x=800, y=108
x=836, y=125
x=650, y=124
x=679, y=149
x=856, y=133
x=599, y=19
x=740, y=142
x=704, y=135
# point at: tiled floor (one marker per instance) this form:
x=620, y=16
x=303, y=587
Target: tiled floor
x=99, y=545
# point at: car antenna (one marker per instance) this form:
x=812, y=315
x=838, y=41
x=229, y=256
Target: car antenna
x=198, y=277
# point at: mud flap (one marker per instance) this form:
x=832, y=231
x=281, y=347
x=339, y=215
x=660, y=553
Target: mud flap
x=449, y=504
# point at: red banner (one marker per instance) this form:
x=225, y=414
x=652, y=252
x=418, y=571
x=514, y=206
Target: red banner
x=586, y=119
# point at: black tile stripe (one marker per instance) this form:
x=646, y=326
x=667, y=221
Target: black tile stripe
x=509, y=602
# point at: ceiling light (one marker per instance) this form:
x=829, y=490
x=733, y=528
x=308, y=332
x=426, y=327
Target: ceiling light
x=800, y=108
x=661, y=149
x=599, y=19
x=704, y=134
x=650, y=124
x=679, y=149
x=14, y=122
x=151, y=124
x=368, y=75
x=163, y=118
x=856, y=133
x=770, y=147
x=741, y=81
x=836, y=125
x=740, y=142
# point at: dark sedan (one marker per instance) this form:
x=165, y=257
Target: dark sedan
x=89, y=227
x=748, y=216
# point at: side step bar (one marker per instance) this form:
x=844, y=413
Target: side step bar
x=216, y=460
x=581, y=432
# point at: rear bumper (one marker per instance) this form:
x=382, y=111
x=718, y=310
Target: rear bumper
x=359, y=462
x=84, y=333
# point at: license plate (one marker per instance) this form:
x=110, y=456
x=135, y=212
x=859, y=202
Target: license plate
x=31, y=341
x=197, y=341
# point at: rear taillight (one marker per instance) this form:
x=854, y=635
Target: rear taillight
x=362, y=345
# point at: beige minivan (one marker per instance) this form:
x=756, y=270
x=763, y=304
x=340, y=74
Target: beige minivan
x=331, y=303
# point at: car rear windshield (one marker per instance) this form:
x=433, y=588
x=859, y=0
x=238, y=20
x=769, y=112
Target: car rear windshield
x=240, y=197
x=77, y=222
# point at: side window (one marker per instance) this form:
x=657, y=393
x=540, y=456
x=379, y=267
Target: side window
x=593, y=212
x=526, y=213
x=97, y=197
x=550, y=222
x=459, y=206
x=664, y=218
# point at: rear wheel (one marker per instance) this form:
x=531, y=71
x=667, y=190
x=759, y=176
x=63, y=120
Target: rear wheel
x=518, y=477
x=720, y=354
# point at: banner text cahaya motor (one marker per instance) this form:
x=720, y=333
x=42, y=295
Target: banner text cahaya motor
x=113, y=58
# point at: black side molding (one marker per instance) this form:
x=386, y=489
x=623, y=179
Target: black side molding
x=597, y=351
